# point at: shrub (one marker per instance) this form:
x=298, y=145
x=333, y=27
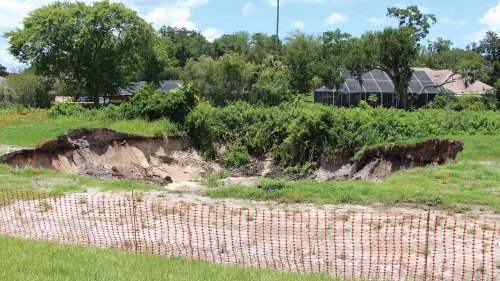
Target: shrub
x=236, y=157
x=149, y=103
x=66, y=109
x=300, y=134
x=28, y=89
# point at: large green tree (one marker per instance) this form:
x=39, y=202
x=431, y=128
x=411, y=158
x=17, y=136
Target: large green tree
x=185, y=44
x=301, y=54
x=392, y=50
x=100, y=48
x=223, y=80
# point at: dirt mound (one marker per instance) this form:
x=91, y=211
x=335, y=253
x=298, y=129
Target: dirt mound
x=379, y=163
x=106, y=154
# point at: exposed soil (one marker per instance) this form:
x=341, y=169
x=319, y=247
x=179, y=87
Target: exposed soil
x=105, y=154
x=381, y=162
x=352, y=244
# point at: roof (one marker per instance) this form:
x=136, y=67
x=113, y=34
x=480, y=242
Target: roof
x=377, y=81
x=169, y=85
x=459, y=86
x=134, y=87
x=164, y=87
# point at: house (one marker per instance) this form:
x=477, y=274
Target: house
x=378, y=84
x=458, y=85
x=124, y=94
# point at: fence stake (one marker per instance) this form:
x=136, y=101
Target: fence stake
x=427, y=243
x=134, y=222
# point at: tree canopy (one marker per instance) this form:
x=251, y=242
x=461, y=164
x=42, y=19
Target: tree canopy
x=99, y=48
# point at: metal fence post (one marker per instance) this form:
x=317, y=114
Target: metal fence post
x=427, y=243
x=134, y=220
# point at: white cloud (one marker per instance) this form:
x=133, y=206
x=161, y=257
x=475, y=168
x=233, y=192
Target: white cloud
x=176, y=14
x=7, y=60
x=492, y=18
x=476, y=36
x=171, y=16
x=450, y=21
x=212, y=33
x=273, y=3
x=376, y=21
x=492, y=22
x=336, y=18
x=249, y=9
x=299, y=24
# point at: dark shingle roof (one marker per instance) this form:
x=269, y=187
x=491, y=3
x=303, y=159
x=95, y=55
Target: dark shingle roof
x=164, y=87
x=377, y=81
x=168, y=85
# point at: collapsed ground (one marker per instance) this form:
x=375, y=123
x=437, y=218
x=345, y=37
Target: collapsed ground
x=470, y=186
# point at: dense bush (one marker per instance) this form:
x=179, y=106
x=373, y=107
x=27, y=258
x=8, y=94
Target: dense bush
x=66, y=109
x=151, y=104
x=300, y=134
x=446, y=100
x=28, y=89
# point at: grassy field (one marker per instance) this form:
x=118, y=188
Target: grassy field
x=31, y=179
x=473, y=180
x=30, y=260
x=34, y=127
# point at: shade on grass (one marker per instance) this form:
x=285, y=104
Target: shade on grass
x=35, y=260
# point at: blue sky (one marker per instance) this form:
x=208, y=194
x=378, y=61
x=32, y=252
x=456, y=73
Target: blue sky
x=461, y=21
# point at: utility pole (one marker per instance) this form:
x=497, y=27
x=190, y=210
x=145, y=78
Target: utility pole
x=277, y=26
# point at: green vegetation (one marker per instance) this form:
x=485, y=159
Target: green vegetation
x=34, y=127
x=474, y=180
x=40, y=180
x=34, y=260
x=297, y=134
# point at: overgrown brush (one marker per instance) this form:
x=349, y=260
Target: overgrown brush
x=299, y=134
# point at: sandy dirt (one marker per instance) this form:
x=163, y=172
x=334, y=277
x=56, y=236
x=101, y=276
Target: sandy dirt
x=345, y=243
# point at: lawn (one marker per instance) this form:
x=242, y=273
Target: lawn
x=34, y=127
x=35, y=260
x=52, y=182
x=473, y=180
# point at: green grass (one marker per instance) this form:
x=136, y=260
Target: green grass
x=34, y=260
x=35, y=127
x=40, y=180
x=473, y=180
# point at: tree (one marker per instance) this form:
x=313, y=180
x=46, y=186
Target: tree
x=28, y=89
x=412, y=17
x=334, y=46
x=223, y=80
x=301, y=54
x=186, y=44
x=238, y=42
x=272, y=86
x=3, y=71
x=438, y=46
x=261, y=46
x=100, y=47
x=392, y=50
x=489, y=47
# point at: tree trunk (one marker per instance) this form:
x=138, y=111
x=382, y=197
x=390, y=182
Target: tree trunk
x=402, y=93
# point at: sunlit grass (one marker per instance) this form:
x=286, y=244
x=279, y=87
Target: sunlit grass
x=34, y=260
